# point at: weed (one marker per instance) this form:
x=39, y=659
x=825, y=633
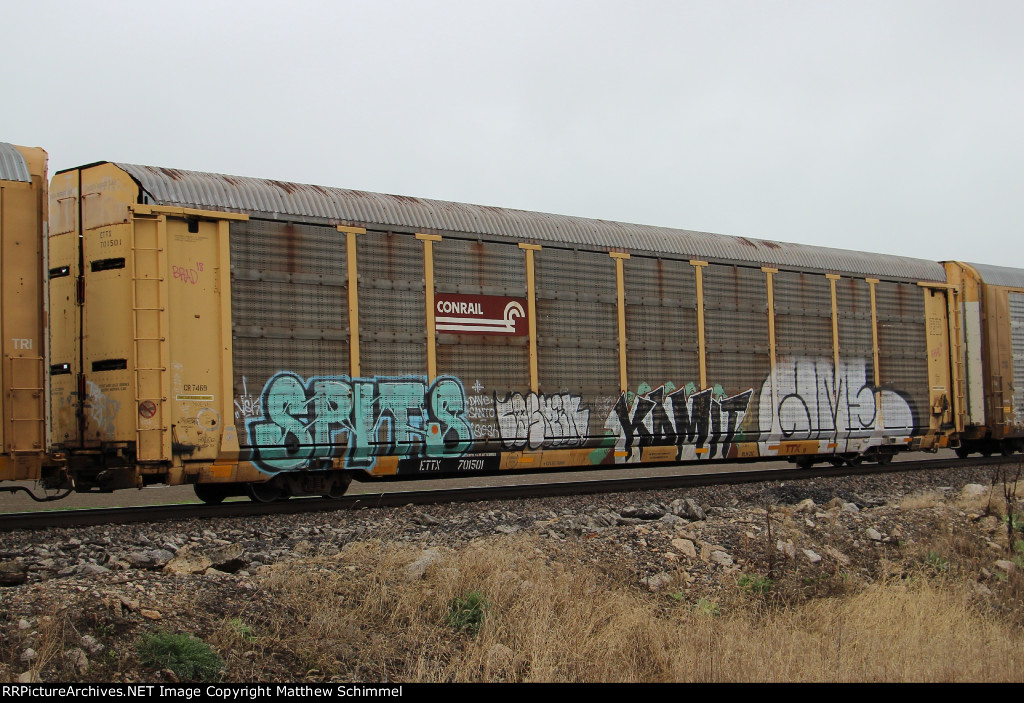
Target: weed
x=189, y=658
x=240, y=628
x=466, y=613
x=936, y=561
x=677, y=596
x=755, y=585
x=710, y=608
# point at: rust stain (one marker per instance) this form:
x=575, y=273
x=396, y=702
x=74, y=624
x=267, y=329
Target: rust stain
x=172, y=173
x=288, y=188
x=480, y=253
x=231, y=181
x=291, y=234
x=746, y=241
x=772, y=245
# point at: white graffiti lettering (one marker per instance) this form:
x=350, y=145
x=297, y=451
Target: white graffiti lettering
x=537, y=421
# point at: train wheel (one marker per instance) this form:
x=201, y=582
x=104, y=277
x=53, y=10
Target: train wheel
x=339, y=486
x=211, y=493
x=805, y=462
x=1006, y=449
x=266, y=492
x=884, y=459
x=836, y=460
x=962, y=451
x=854, y=459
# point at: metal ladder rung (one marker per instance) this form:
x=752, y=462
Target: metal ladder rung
x=26, y=419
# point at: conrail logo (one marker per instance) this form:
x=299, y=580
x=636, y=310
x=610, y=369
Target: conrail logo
x=480, y=314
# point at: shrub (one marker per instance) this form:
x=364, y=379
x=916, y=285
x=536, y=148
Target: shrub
x=189, y=658
x=466, y=613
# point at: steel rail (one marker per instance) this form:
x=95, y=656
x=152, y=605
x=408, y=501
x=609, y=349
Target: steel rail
x=45, y=519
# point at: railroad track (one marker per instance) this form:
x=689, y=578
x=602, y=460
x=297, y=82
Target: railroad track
x=45, y=519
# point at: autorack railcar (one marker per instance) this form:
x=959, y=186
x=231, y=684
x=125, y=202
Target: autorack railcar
x=23, y=213
x=253, y=335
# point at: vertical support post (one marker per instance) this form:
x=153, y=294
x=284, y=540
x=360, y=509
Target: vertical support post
x=620, y=292
x=872, y=282
x=770, y=294
x=832, y=278
x=229, y=440
x=531, y=313
x=353, y=296
x=702, y=363
x=428, y=281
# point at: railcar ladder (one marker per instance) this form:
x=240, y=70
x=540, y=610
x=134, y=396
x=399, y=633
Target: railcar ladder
x=149, y=317
x=959, y=382
x=26, y=404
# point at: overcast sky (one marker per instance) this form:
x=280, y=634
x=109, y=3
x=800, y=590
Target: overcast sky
x=889, y=126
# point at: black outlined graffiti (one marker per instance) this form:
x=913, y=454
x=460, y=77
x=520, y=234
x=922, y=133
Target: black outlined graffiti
x=534, y=421
x=404, y=416
x=685, y=418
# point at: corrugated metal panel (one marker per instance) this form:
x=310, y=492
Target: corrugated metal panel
x=1000, y=275
x=661, y=323
x=12, y=164
x=1017, y=347
x=486, y=364
x=577, y=324
x=903, y=352
x=278, y=200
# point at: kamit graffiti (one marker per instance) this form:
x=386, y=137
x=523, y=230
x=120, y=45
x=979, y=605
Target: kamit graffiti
x=702, y=423
x=304, y=420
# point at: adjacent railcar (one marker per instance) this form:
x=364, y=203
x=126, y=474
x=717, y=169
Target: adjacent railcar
x=991, y=347
x=23, y=212
x=249, y=334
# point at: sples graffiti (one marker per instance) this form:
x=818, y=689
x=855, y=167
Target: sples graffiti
x=404, y=416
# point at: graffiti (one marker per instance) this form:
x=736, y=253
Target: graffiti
x=707, y=419
x=536, y=421
x=102, y=410
x=246, y=405
x=304, y=420
x=186, y=274
x=810, y=401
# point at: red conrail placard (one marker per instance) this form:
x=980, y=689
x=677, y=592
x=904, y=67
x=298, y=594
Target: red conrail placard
x=480, y=314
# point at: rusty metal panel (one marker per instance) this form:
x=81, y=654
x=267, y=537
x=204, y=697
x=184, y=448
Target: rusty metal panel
x=392, y=305
x=494, y=362
x=856, y=349
x=577, y=323
x=12, y=164
x=278, y=200
x=661, y=322
x=1017, y=345
x=803, y=316
x=289, y=306
x=736, y=328
x=903, y=355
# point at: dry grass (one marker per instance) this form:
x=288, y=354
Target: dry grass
x=924, y=499
x=356, y=616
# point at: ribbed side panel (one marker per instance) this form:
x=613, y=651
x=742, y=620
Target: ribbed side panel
x=577, y=323
x=289, y=303
x=497, y=363
x=856, y=350
x=736, y=331
x=803, y=316
x=661, y=322
x=903, y=351
x=1017, y=344
x=392, y=309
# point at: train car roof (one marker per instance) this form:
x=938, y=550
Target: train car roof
x=309, y=203
x=999, y=275
x=12, y=164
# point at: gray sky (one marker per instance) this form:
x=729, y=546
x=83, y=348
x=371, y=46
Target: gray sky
x=888, y=126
